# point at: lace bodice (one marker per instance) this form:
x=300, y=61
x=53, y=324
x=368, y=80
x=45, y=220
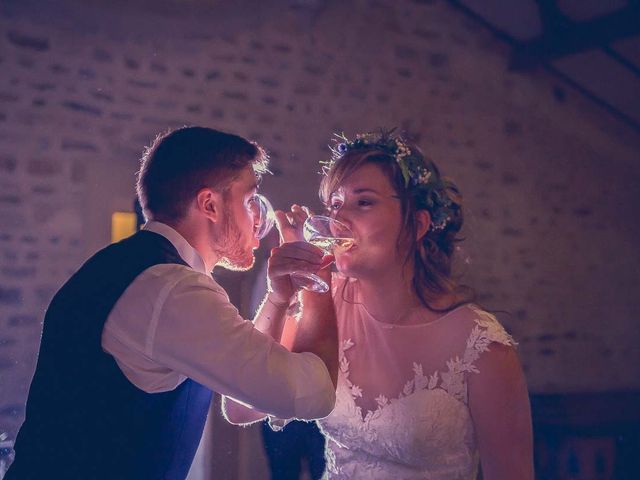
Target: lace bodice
x=402, y=408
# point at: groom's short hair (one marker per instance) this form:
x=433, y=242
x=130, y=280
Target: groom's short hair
x=180, y=162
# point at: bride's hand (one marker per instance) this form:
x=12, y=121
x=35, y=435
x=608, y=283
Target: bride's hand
x=290, y=223
x=286, y=259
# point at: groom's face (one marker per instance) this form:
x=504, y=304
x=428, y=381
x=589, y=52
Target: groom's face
x=237, y=229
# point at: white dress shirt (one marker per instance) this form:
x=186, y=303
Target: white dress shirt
x=175, y=322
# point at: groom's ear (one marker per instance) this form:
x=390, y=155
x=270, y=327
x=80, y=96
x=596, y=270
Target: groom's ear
x=209, y=203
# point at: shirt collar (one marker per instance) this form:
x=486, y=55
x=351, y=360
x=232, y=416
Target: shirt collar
x=184, y=248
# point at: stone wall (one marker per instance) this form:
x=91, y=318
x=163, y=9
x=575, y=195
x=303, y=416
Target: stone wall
x=550, y=179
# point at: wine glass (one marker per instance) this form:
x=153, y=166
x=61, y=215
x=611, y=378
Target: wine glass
x=263, y=214
x=331, y=236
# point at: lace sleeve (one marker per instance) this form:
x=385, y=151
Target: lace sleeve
x=485, y=331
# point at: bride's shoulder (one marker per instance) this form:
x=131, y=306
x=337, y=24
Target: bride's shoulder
x=479, y=325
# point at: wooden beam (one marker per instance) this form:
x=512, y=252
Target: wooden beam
x=576, y=37
x=551, y=17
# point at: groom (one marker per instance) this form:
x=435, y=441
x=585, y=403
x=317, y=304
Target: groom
x=135, y=341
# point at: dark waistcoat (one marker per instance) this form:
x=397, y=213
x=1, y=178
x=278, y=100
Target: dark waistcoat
x=84, y=419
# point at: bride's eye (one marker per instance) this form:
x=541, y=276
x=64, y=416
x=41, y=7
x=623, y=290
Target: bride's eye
x=335, y=206
x=363, y=202
x=335, y=203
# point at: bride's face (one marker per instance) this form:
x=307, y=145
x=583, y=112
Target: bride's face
x=367, y=203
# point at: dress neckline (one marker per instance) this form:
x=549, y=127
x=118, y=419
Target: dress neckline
x=354, y=299
x=393, y=326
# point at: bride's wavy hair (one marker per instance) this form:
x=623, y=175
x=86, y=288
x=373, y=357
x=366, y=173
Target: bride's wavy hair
x=433, y=254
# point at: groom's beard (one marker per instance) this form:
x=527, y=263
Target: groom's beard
x=237, y=252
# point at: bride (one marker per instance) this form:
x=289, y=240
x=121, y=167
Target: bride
x=430, y=386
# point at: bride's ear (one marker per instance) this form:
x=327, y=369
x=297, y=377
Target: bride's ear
x=423, y=222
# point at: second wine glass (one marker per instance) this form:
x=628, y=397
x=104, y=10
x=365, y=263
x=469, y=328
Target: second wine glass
x=264, y=217
x=331, y=236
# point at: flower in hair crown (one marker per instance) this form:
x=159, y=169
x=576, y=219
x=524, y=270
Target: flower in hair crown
x=423, y=182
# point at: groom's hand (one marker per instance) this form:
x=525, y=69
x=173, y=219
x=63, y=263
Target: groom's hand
x=290, y=223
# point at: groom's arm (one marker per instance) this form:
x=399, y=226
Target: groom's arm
x=180, y=324
x=272, y=320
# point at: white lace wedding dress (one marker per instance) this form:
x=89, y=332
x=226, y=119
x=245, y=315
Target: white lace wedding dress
x=402, y=407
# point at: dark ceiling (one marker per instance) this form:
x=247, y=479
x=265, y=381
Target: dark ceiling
x=592, y=44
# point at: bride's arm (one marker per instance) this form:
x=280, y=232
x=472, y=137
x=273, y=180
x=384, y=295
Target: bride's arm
x=501, y=413
x=319, y=332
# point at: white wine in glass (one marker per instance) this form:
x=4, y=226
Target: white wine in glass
x=331, y=236
x=329, y=244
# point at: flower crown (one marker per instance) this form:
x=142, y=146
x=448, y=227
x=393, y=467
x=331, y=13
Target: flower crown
x=422, y=181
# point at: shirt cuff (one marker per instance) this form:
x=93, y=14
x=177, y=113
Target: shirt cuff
x=315, y=397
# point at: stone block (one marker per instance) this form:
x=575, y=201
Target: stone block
x=43, y=167
x=10, y=295
x=82, y=107
x=23, y=320
x=30, y=42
